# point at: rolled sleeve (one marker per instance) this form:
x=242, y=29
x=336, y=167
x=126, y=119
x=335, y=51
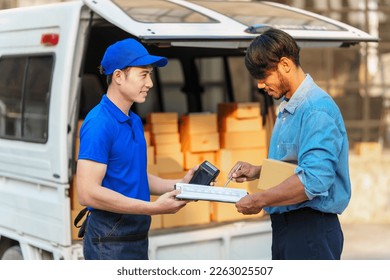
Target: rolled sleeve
x=318, y=154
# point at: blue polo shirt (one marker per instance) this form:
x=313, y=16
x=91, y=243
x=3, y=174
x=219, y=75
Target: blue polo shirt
x=109, y=136
x=310, y=132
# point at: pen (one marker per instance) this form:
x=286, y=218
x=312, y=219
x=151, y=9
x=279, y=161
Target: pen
x=231, y=177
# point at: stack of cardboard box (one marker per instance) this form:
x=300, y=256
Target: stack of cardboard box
x=199, y=137
x=200, y=141
x=242, y=138
x=164, y=132
x=165, y=158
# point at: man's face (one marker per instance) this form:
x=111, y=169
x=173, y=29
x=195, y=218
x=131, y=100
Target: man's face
x=275, y=85
x=137, y=81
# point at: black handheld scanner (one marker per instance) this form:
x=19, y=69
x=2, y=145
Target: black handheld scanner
x=205, y=174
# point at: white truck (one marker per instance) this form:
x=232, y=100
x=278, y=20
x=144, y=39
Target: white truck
x=49, y=58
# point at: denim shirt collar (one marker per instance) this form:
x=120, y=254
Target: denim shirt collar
x=298, y=97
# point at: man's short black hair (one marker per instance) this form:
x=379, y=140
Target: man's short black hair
x=266, y=50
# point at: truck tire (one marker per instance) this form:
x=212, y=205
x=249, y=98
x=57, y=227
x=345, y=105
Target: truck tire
x=13, y=253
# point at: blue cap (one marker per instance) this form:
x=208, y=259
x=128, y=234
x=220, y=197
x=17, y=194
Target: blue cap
x=129, y=52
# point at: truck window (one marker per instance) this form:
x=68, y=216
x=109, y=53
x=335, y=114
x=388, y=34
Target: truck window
x=24, y=97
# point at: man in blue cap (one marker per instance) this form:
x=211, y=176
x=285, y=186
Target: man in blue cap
x=112, y=178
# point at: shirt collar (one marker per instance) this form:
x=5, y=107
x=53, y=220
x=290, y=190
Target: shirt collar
x=114, y=110
x=298, y=96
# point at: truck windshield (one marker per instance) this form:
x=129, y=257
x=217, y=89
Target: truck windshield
x=156, y=11
x=246, y=12
x=255, y=13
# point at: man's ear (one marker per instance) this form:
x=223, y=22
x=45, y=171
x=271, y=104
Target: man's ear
x=116, y=76
x=285, y=64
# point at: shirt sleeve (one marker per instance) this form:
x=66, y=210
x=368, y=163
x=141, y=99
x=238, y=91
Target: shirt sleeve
x=95, y=140
x=320, y=146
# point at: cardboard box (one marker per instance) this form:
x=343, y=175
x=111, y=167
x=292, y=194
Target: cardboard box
x=241, y=110
x=74, y=200
x=156, y=222
x=147, y=137
x=170, y=163
x=226, y=158
x=227, y=212
x=273, y=172
x=173, y=175
x=206, y=142
x=152, y=169
x=243, y=140
x=230, y=124
x=163, y=117
x=165, y=138
x=156, y=219
x=192, y=159
x=75, y=230
x=164, y=128
x=150, y=154
x=194, y=213
x=167, y=149
x=199, y=123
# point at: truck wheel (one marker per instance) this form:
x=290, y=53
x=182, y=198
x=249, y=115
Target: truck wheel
x=13, y=253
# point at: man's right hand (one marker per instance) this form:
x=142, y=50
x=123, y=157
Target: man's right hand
x=244, y=171
x=168, y=204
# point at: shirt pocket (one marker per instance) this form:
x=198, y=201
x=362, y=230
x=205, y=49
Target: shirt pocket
x=287, y=152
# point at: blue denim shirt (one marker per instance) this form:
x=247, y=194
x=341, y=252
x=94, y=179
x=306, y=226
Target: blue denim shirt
x=310, y=132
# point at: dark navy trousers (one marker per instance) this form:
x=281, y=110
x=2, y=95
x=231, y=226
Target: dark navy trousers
x=112, y=236
x=306, y=234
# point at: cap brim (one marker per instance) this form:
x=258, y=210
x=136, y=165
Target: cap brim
x=154, y=60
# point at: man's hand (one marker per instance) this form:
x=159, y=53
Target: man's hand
x=244, y=171
x=168, y=204
x=190, y=174
x=247, y=205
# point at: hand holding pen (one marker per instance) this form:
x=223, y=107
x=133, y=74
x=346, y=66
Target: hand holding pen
x=243, y=171
x=231, y=176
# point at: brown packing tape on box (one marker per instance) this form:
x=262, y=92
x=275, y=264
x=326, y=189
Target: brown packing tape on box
x=273, y=172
